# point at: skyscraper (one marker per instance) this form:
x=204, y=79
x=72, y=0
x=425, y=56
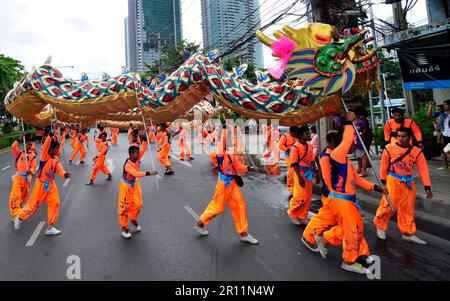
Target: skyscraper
x=226, y=21
x=152, y=25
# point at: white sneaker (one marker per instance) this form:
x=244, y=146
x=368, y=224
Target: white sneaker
x=381, y=234
x=17, y=223
x=321, y=243
x=310, y=247
x=250, y=239
x=52, y=231
x=138, y=229
x=414, y=239
x=126, y=235
x=201, y=230
x=355, y=267
x=296, y=221
x=304, y=222
x=365, y=259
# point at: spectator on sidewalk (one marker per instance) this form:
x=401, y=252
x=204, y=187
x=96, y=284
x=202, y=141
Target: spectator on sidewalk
x=444, y=128
x=359, y=148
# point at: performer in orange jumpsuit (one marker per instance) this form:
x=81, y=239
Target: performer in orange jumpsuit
x=114, y=136
x=392, y=125
x=130, y=195
x=45, y=188
x=343, y=207
x=285, y=144
x=324, y=219
x=164, y=149
x=79, y=147
x=227, y=192
x=211, y=140
x=304, y=167
x=73, y=134
x=397, y=169
x=25, y=163
x=185, y=149
x=100, y=160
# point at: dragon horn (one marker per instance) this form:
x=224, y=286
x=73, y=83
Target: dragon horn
x=277, y=34
x=289, y=31
x=264, y=39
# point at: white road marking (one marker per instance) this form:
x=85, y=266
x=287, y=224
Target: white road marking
x=66, y=183
x=36, y=232
x=192, y=212
x=181, y=162
x=5, y=168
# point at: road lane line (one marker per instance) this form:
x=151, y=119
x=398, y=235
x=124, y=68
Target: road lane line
x=192, y=212
x=5, y=168
x=66, y=183
x=36, y=232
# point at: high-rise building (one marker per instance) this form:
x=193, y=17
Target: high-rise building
x=224, y=22
x=152, y=25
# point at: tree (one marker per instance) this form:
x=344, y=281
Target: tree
x=11, y=71
x=171, y=59
x=394, y=82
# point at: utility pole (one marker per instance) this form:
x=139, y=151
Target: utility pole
x=380, y=80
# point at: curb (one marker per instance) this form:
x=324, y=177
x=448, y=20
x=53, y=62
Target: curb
x=427, y=214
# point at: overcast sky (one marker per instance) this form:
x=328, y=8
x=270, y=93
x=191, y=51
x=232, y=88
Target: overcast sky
x=89, y=34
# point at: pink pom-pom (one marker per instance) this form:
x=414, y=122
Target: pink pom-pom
x=283, y=49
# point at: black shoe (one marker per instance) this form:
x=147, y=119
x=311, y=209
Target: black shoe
x=82, y=162
x=182, y=159
x=109, y=178
x=190, y=159
x=365, y=260
x=70, y=162
x=90, y=183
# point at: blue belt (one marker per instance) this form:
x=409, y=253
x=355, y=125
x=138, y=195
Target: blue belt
x=24, y=175
x=287, y=153
x=226, y=178
x=346, y=197
x=309, y=172
x=405, y=179
x=129, y=182
x=46, y=186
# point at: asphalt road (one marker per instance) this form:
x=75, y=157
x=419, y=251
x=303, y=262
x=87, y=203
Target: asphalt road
x=169, y=249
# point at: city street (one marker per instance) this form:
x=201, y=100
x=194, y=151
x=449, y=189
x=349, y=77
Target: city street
x=168, y=248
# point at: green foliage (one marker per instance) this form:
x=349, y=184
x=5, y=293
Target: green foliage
x=378, y=136
x=11, y=71
x=7, y=128
x=171, y=59
x=394, y=80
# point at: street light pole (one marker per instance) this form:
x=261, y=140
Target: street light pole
x=175, y=23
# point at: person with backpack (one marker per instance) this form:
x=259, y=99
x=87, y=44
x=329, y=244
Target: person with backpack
x=397, y=168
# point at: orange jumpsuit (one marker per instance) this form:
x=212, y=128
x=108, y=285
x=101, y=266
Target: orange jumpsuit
x=228, y=192
x=79, y=147
x=163, y=154
x=272, y=136
x=114, y=135
x=285, y=144
x=21, y=184
x=211, y=144
x=391, y=127
x=343, y=207
x=130, y=194
x=44, y=187
x=401, y=187
x=151, y=134
x=73, y=134
x=185, y=149
x=325, y=218
x=301, y=155
x=100, y=160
